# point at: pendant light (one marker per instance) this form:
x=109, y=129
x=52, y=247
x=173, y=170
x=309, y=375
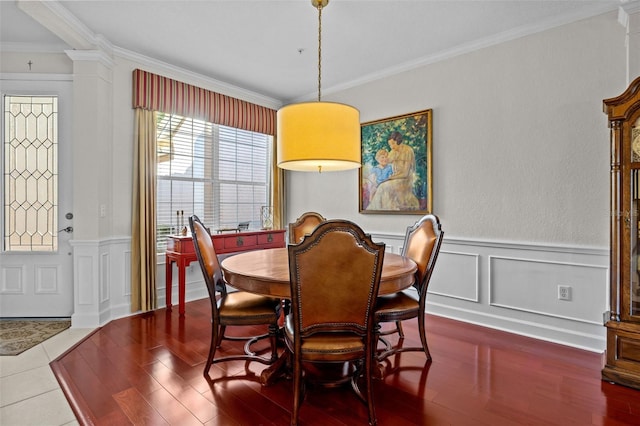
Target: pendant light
x=318, y=136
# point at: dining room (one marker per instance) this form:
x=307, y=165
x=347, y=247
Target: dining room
x=514, y=204
x=503, y=136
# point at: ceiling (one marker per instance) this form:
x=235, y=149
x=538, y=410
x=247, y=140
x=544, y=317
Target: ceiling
x=270, y=47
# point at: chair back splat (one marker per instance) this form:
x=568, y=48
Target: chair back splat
x=304, y=225
x=335, y=276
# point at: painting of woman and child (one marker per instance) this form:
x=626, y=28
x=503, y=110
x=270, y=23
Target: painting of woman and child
x=395, y=176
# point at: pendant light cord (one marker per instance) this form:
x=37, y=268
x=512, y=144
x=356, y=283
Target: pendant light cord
x=319, y=49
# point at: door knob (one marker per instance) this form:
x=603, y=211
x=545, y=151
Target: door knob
x=68, y=229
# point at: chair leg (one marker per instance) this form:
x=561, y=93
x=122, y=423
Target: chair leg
x=399, y=328
x=212, y=347
x=297, y=390
x=368, y=373
x=423, y=335
x=366, y=369
x=223, y=328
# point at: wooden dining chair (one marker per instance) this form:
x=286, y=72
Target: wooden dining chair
x=304, y=225
x=334, y=275
x=237, y=308
x=421, y=244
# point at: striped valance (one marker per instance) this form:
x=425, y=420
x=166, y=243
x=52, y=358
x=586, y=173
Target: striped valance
x=157, y=93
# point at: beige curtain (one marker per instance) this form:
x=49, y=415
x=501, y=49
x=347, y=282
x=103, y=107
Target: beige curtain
x=277, y=190
x=143, y=220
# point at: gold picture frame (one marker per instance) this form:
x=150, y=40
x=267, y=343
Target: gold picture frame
x=396, y=174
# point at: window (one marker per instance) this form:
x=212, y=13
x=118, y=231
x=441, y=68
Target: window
x=219, y=173
x=30, y=173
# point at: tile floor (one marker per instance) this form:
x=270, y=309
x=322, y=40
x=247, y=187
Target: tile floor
x=29, y=392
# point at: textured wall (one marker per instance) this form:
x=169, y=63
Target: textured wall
x=521, y=149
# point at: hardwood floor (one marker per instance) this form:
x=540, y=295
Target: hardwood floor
x=147, y=369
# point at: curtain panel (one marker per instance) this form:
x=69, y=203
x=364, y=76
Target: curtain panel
x=143, y=214
x=277, y=190
x=157, y=93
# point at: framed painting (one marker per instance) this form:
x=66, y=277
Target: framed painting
x=395, y=177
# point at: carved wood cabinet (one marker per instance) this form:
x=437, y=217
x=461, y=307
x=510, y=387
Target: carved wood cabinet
x=623, y=327
x=180, y=250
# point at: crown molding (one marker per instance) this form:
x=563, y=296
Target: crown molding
x=557, y=21
x=90, y=55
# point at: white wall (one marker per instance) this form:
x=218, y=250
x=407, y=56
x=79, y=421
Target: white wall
x=521, y=163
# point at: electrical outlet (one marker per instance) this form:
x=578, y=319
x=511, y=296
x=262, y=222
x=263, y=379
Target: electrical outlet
x=564, y=292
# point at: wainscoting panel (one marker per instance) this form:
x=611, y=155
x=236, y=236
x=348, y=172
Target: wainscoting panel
x=126, y=281
x=116, y=270
x=105, y=294
x=532, y=285
x=102, y=271
x=84, y=271
x=462, y=280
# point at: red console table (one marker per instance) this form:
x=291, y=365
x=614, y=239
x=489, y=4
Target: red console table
x=181, y=251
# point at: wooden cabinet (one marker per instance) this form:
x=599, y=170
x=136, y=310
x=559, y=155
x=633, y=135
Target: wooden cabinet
x=229, y=242
x=623, y=327
x=180, y=250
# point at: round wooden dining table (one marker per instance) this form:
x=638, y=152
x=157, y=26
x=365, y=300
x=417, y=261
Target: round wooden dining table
x=266, y=272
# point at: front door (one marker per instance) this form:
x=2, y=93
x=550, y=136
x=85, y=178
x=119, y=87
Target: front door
x=36, y=267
